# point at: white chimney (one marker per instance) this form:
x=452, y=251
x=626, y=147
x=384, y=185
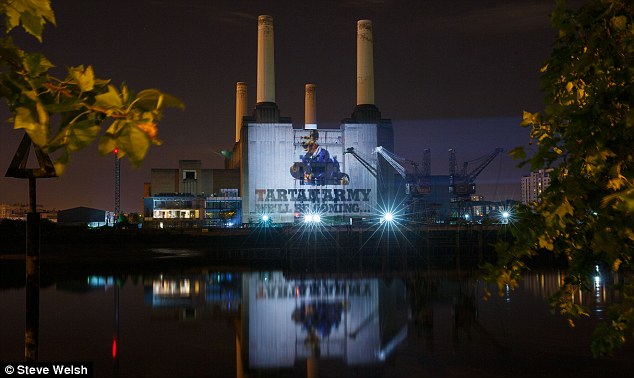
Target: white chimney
x=266, y=63
x=365, y=64
x=310, y=108
x=241, y=106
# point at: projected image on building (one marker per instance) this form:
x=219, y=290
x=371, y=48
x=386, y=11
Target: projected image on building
x=316, y=166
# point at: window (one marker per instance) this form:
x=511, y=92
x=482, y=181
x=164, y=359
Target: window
x=189, y=175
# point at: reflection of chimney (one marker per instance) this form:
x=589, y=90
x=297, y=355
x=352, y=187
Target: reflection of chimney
x=266, y=62
x=365, y=64
x=241, y=106
x=310, y=108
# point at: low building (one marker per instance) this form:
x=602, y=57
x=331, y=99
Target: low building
x=18, y=211
x=85, y=216
x=191, y=197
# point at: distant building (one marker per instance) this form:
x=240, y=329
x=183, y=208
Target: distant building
x=190, y=196
x=85, y=216
x=533, y=185
x=18, y=211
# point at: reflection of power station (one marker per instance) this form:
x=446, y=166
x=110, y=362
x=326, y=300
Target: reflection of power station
x=187, y=297
x=359, y=321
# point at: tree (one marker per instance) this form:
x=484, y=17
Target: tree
x=81, y=105
x=586, y=134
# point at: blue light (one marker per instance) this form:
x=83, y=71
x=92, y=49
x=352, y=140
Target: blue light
x=388, y=217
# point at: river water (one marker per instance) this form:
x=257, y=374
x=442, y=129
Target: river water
x=207, y=321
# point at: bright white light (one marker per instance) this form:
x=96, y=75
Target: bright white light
x=388, y=217
x=466, y=216
x=505, y=216
x=312, y=218
x=265, y=218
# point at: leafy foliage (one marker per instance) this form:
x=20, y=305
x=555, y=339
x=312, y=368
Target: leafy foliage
x=585, y=135
x=80, y=104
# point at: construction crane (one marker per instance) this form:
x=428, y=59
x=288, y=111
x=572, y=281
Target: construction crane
x=373, y=171
x=392, y=160
x=415, y=184
x=463, y=185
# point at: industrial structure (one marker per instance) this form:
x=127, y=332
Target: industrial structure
x=283, y=174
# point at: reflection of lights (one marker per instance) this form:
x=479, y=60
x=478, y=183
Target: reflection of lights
x=101, y=281
x=382, y=354
x=172, y=287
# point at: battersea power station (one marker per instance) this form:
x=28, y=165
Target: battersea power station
x=284, y=174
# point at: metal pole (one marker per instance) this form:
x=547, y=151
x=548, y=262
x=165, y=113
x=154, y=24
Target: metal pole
x=31, y=333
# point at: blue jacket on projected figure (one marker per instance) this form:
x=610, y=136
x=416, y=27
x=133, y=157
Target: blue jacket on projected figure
x=316, y=166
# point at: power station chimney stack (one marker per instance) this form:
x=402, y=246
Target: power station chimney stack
x=365, y=111
x=310, y=108
x=365, y=63
x=241, y=106
x=266, y=62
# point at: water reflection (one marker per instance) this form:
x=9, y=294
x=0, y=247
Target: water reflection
x=600, y=283
x=204, y=322
x=190, y=293
x=358, y=321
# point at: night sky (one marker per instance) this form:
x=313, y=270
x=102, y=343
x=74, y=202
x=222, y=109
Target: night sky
x=450, y=74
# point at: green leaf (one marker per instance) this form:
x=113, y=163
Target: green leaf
x=84, y=78
x=619, y=22
x=564, y=209
x=63, y=107
x=33, y=24
x=110, y=99
x=61, y=162
x=518, y=153
x=106, y=144
x=81, y=134
x=153, y=99
x=29, y=120
x=37, y=64
x=135, y=143
x=530, y=118
x=32, y=14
